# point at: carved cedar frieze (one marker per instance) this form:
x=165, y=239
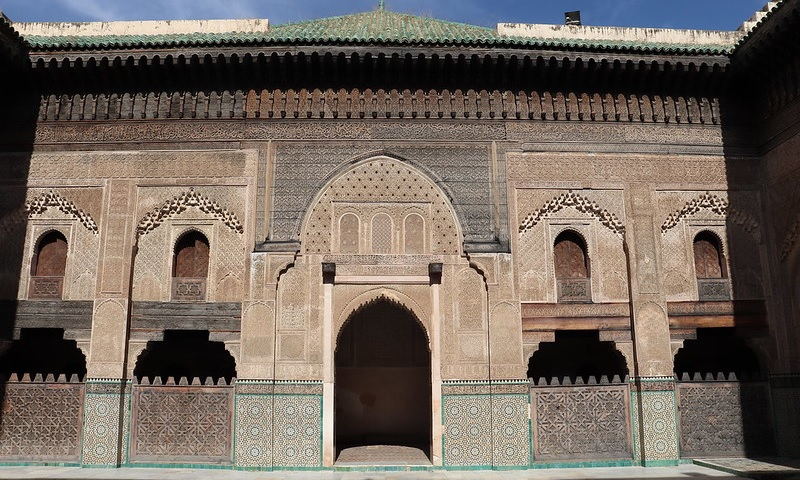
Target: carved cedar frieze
x=716, y=205
x=178, y=204
x=790, y=239
x=582, y=204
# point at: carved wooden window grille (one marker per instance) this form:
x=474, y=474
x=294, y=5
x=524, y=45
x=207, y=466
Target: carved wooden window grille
x=709, y=265
x=48, y=265
x=571, y=268
x=190, y=267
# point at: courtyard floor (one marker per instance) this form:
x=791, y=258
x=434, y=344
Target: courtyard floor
x=618, y=473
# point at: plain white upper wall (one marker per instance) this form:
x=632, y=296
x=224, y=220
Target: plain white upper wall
x=150, y=27
x=626, y=34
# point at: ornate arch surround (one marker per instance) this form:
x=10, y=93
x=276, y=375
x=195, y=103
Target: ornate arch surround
x=313, y=233
x=388, y=294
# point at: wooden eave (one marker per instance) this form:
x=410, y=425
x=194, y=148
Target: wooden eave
x=234, y=54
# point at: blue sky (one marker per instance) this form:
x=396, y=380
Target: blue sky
x=705, y=14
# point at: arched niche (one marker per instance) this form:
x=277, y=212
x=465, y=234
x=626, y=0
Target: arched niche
x=371, y=187
x=48, y=266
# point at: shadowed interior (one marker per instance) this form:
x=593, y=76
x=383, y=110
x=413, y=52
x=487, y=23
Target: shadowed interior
x=383, y=371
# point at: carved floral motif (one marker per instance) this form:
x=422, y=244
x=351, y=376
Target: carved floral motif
x=178, y=204
x=581, y=204
x=716, y=205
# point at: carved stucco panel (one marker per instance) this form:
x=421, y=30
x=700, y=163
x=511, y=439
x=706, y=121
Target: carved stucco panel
x=368, y=185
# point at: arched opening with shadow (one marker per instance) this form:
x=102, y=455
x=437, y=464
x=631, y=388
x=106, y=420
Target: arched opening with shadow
x=571, y=266
x=382, y=382
x=48, y=265
x=724, y=408
x=710, y=267
x=190, y=266
x=43, y=351
x=577, y=354
x=580, y=400
x=185, y=353
x=717, y=350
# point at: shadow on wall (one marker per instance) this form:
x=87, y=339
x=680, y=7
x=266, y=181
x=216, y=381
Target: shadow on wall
x=18, y=116
x=746, y=351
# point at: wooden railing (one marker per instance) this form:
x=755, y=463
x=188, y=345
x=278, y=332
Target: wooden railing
x=45, y=287
x=188, y=289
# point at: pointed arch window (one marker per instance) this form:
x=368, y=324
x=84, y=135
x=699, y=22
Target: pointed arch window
x=571, y=264
x=48, y=265
x=190, y=266
x=710, y=268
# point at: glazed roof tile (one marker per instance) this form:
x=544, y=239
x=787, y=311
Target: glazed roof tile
x=380, y=27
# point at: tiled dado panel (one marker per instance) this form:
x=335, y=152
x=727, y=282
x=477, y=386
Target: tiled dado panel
x=278, y=425
x=106, y=403
x=470, y=410
x=655, y=398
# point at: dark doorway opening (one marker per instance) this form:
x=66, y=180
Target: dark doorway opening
x=382, y=380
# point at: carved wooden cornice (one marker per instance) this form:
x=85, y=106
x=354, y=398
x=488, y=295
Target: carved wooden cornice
x=405, y=104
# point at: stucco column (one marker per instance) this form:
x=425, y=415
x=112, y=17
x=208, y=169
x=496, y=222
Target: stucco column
x=653, y=404
x=328, y=452
x=436, y=367
x=106, y=404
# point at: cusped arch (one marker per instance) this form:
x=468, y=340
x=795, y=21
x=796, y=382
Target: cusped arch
x=375, y=181
x=386, y=294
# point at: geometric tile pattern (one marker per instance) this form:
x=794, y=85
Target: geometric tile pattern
x=466, y=430
x=659, y=419
x=103, y=404
x=41, y=421
x=511, y=430
x=298, y=431
x=588, y=423
x=253, y=437
x=180, y=423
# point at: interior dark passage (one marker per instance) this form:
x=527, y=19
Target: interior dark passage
x=382, y=380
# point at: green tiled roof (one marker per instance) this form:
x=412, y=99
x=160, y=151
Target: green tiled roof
x=380, y=27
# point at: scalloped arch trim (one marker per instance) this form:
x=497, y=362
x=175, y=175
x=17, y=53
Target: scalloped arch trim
x=582, y=204
x=716, y=205
x=44, y=202
x=178, y=204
